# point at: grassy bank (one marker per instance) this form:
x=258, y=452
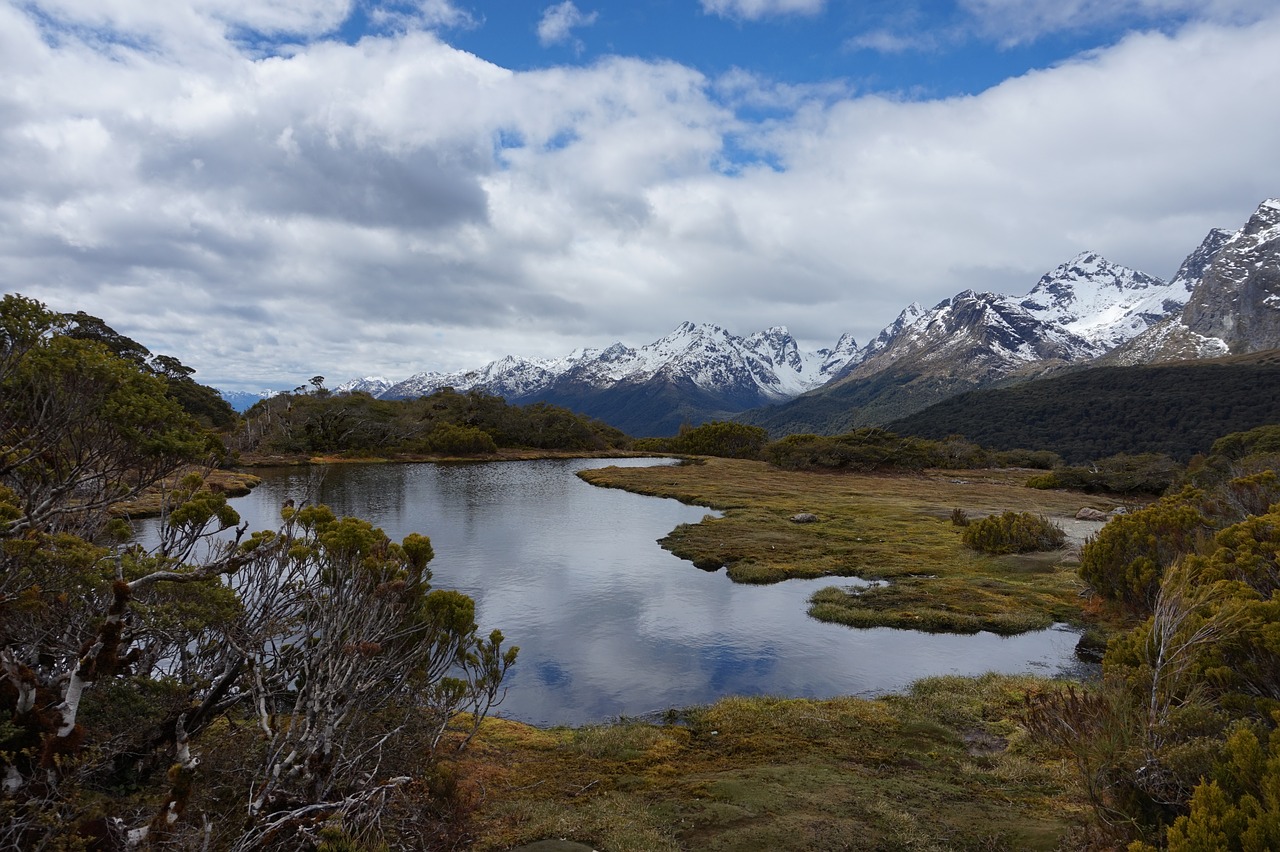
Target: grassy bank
x=946, y=767
x=895, y=528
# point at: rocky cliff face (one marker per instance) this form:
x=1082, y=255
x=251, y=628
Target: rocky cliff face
x=1234, y=306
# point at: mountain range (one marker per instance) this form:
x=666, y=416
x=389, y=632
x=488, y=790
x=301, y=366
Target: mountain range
x=1225, y=298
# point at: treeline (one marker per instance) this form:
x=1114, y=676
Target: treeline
x=1178, y=746
x=865, y=450
x=1176, y=410
x=447, y=422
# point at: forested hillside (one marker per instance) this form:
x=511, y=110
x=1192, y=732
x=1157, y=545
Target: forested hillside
x=1175, y=409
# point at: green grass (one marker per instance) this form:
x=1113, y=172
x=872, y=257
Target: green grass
x=895, y=528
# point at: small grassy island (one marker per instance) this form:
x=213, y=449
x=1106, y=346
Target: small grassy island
x=307, y=688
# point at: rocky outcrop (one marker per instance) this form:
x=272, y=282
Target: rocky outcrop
x=1234, y=307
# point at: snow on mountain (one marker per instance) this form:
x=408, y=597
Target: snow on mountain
x=972, y=335
x=706, y=356
x=1102, y=302
x=1234, y=306
x=1075, y=313
x=372, y=385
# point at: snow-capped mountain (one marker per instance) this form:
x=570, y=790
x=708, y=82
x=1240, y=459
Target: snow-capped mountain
x=768, y=363
x=372, y=385
x=975, y=335
x=1073, y=314
x=1224, y=298
x=724, y=373
x=1234, y=305
x=1076, y=312
x=1103, y=302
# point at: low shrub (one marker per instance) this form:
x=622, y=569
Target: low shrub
x=1014, y=532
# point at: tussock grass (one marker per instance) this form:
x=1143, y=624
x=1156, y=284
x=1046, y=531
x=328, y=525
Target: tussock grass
x=894, y=527
x=786, y=774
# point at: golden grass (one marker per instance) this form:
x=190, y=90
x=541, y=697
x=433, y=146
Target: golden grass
x=895, y=528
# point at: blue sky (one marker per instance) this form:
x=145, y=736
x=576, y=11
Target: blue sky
x=271, y=190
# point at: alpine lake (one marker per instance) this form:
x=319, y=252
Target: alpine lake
x=608, y=623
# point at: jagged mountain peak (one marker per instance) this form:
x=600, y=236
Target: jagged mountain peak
x=1103, y=302
x=1193, y=268
x=1263, y=226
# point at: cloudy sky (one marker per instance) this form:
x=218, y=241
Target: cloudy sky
x=274, y=189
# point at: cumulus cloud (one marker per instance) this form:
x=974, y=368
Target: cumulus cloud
x=558, y=22
x=397, y=205
x=752, y=10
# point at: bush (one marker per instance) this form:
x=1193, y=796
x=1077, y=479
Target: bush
x=1126, y=559
x=461, y=440
x=860, y=450
x=719, y=438
x=1014, y=532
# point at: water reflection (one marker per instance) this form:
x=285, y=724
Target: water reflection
x=610, y=624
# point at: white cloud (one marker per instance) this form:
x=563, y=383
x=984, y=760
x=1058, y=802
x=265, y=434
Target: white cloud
x=558, y=22
x=888, y=41
x=398, y=205
x=422, y=14
x=753, y=10
x=1019, y=21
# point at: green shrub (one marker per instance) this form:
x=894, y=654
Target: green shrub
x=1126, y=559
x=1045, y=482
x=652, y=445
x=1014, y=532
x=720, y=438
x=461, y=440
x=860, y=450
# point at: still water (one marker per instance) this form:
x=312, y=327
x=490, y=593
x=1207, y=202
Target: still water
x=610, y=624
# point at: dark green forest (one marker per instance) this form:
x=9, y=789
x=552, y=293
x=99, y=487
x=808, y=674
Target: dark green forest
x=1178, y=410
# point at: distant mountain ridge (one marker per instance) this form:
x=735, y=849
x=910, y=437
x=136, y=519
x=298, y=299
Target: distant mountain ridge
x=1087, y=311
x=696, y=371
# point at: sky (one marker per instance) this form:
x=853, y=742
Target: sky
x=271, y=191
